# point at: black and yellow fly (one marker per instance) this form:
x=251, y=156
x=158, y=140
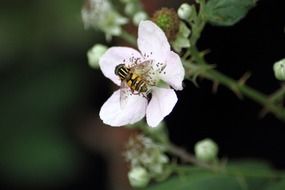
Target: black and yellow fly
x=134, y=77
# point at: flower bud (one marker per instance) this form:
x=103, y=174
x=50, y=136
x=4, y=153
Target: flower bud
x=185, y=11
x=279, y=69
x=206, y=150
x=130, y=8
x=143, y=151
x=94, y=54
x=138, y=177
x=138, y=17
x=168, y=21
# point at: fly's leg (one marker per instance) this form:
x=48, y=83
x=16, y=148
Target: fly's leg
x=145, y=94
x=135, y=93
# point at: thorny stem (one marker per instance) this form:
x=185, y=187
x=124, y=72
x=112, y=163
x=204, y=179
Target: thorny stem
x=190, y=158
x=234, y=85
x=278, y=95
x=268, y=102
x=177, y=151
x=219, y=167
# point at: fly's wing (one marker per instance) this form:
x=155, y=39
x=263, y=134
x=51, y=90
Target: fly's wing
x=124, y=93
x=143, y=68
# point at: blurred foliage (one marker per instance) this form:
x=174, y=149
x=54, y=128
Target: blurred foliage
x=277, y=186
x=43, y=69
x=242, y=175
x=32, y=138
x=34, y=27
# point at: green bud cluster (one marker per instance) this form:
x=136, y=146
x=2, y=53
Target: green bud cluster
x=133, y=8
x=147, y=161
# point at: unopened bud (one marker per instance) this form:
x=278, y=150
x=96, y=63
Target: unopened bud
x=279, y=69
x=138, y=177
x=94, y=54
x=185, y=11
x=206, y=150
x=138, y=17
x=130, y=9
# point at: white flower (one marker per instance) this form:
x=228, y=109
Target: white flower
x=100, y=14
x=166, y=66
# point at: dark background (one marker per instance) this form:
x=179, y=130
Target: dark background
x=50, y=133
x=253, y=45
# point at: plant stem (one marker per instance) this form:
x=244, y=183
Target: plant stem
x=278, y=95
x=269, y=103
x=219, y=167
x=128, y=37
x=190, y=158
x=237, y=87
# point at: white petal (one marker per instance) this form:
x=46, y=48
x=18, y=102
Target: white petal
x=161, y=104
x=113, y=114
x=113, y=57
x=174, y=71
x=152, y=41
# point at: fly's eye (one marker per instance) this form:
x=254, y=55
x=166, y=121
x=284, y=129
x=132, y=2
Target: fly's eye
x=118, y=67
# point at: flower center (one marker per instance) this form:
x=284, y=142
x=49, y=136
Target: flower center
x=139, y=75
x=146, y=68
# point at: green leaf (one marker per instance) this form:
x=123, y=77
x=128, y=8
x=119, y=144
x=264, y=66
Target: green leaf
x=244, y=175
x=256, y=174
x=33, y=143
x=200, y=180
x=251, y=168
x=227, y=12
x=280, y=185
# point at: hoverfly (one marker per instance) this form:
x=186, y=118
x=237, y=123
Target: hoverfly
x=135, y=78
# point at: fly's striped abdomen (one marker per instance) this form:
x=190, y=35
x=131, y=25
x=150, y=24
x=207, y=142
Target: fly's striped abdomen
x=133, y=80
x=136, y=83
